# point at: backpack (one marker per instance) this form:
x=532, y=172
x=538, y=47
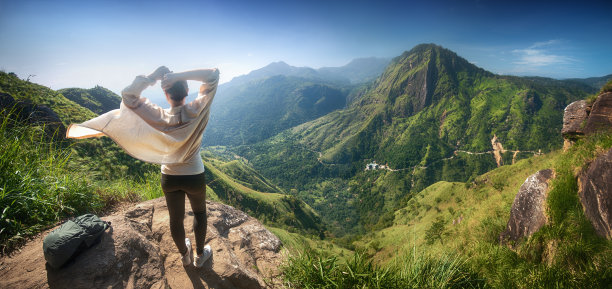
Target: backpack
x=73, y=237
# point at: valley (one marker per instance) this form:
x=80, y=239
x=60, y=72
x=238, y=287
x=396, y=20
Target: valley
x=377, y=165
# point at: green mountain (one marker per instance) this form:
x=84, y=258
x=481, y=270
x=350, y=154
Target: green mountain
x=258, y=105
x=97, y=99
x=430, y=116
x=257, y=110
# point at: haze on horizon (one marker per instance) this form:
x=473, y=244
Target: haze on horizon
x=107, y=43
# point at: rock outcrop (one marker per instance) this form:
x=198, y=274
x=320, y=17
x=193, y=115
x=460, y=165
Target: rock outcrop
x=581, y=118
x=138, y=252
x=600, y=115
x=595, y=191
x=574, y=119
x=527, y=215
x=26, y=112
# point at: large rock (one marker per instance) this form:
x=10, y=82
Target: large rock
x=595, y=191
x=574, y=118
x=527, y=215
x=600, y=116
x=139, y=253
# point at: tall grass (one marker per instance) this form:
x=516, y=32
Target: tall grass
x=412, y=270
x=35, y=188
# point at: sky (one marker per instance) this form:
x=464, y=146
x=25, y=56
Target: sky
x=86, y=43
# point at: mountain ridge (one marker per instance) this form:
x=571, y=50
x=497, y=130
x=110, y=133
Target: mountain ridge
x=427, y=105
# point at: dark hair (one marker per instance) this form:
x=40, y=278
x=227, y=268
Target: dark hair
x=178, y=91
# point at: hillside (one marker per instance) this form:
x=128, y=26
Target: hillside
x=471, y=217
x=233, y=183
x=430, y=116
x=68, y=110
x=266, y=101
x=97, y=99
x=257, y=110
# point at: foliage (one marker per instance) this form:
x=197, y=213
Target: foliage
x=284, y=211
x=310, y=270
x=607, y=87
x=36, y=188
x=436, y=231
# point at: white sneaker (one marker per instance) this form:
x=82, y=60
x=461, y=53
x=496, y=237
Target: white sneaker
x=200, y=259
x=188, y=255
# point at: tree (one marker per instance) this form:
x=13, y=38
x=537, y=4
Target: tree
x=436, y=231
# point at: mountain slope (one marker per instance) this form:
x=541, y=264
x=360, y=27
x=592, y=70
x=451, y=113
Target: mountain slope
x=430, y=116
x=359, y=70
x=68, y=110
x=97, y=99
x=254, y=111
x=277, y=209
x=566, y=252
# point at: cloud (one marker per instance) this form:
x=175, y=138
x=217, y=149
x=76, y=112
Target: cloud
x=541, y=54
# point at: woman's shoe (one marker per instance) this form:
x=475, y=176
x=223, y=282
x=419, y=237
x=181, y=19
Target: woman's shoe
x=200, y=259
x=187, y=257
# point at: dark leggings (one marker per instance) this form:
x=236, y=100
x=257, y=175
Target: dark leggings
x=194, y=186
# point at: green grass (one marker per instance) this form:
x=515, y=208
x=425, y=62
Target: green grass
x=412, y=270
x=36, y=189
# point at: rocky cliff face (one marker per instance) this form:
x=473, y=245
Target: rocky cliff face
x=595, y=191
x=600, y=115
x=581, y=118
x=139, y=253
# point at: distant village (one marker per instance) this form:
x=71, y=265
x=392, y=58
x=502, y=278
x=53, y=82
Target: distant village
x=374, y=166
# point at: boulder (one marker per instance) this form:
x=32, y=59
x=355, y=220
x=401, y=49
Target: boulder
x=600, y=116
x=138, y=252
x=527, y=214
x=574, y=118
x=595, y=191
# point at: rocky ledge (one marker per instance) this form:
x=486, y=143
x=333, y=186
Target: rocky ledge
x=138, y=252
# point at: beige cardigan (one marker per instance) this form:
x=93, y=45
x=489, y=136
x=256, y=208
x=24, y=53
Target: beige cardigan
x=171, y=137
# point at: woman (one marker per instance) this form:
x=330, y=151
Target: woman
x=170, y=137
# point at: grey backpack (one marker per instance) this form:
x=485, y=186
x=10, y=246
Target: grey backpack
x=73, y=237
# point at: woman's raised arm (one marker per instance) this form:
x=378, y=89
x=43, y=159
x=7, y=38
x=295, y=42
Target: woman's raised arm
x=202, y=75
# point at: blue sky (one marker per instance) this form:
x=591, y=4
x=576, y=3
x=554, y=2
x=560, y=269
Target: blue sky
x=87, y=43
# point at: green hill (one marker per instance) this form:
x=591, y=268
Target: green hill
x=274, y=209
x=471, y=216
x=430, y=116
x=68, y=110
x=97, y=99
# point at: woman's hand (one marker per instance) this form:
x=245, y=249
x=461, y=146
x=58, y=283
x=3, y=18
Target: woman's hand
x=168, y=80
x=159, y=73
